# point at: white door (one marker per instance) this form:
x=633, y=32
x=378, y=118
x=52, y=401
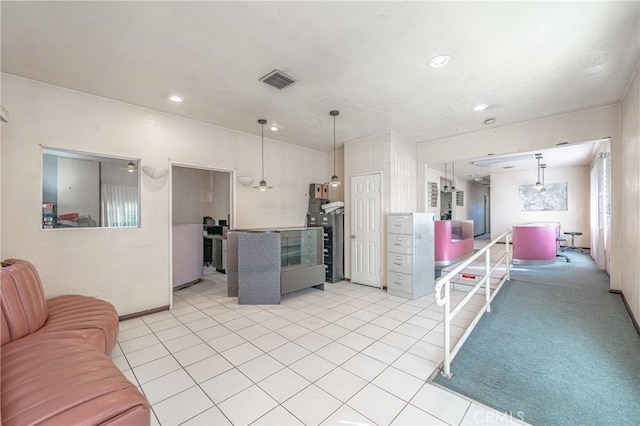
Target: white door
x=366, y=229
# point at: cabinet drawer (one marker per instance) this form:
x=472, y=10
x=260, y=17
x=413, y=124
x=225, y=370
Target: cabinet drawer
x=400, y=243
x=399, y=282
x=400, y=263
x=400, y=224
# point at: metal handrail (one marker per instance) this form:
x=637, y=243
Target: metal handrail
x=444, y=282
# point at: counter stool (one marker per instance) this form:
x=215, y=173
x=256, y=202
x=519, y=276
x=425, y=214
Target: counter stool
x=573, y=244
x=564, y=256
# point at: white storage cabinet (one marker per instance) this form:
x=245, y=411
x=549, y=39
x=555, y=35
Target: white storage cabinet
x=410, y=254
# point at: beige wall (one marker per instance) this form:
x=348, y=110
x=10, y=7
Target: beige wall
x=505, y=200
x=198, y=193
x=130, y=267
x=628, y=242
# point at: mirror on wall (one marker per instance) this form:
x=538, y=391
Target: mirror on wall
x=81, y=190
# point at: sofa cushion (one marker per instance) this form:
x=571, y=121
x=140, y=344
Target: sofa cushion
x=59, y=378
x=94, y=319
x=24, y=307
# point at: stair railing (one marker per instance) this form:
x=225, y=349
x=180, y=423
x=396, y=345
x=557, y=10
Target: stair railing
x=444, y=283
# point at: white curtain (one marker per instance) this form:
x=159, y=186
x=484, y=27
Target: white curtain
x=601, y=210
x=119, y=206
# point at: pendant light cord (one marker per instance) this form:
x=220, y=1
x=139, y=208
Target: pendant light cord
x=334, y=181
x=262, y=126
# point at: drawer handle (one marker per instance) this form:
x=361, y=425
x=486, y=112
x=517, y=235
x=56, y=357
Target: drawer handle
x=396, y=263
x=399, y=277
x=397, y=244
x=395, y=282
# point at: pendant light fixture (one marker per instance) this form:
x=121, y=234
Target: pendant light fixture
x=445, y=189
x=544, y=187
x=453, y=176
x=335, y=181
x=538, y=183
x=263, y=183
x=131, y=167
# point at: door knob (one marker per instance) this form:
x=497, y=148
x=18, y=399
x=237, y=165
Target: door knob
x=353, y=236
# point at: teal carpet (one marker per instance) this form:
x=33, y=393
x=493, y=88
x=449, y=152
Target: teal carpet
x=557, y=349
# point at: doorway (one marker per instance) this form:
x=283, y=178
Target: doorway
x=445, y=205
x=366, y=229
x=202, y=206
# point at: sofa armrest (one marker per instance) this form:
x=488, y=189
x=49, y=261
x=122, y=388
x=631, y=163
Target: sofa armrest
x=58, y=378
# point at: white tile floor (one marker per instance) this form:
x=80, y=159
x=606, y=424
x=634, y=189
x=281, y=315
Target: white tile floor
x=348, y=355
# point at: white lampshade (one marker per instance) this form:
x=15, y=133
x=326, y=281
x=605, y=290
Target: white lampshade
x=154, y=172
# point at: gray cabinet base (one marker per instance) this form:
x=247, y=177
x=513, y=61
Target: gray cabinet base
x=298, y=278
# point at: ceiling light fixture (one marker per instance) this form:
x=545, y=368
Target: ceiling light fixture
x=439, y=61
x=453, y=176
x=274, y=128
x=446, y=181
x=335, y=181
x=131, y=167
x=497, y=160
x=174, y=98
x=544, y=187
x=263, y=183
x=480, y=107
x=538, y=183
x=489, y=121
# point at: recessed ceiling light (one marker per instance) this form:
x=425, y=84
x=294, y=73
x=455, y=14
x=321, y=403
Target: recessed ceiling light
x=489, y=121
x=480, y=107
x=439, y=61
x=274, y=128
x=174, y=98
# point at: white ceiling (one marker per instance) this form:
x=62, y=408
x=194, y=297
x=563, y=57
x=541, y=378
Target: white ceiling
x=577, y=154
x=527, y=60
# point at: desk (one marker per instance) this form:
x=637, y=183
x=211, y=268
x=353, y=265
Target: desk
x=535, y=244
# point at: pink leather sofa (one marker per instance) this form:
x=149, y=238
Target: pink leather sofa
x=55, y=367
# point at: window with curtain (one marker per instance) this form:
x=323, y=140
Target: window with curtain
x=119, y=206
x=81, y=190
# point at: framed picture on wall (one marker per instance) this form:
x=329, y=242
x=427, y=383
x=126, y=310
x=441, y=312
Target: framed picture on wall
x=554, y=198
x=432, y=194
x=460, y=198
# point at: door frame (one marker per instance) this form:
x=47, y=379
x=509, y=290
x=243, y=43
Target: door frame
x=382, y=258
x=232, y=207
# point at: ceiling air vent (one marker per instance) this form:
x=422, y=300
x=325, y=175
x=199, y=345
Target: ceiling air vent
x=278, y=79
